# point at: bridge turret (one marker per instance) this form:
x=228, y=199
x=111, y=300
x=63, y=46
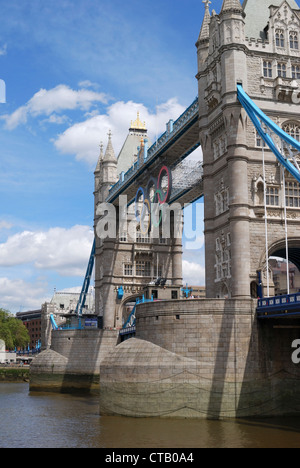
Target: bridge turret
x=203, y=40
x=98, y=169
x=109, y=174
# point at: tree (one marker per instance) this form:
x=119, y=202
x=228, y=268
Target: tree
x=12, y=331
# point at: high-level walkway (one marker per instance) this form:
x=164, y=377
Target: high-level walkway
x=171, y=149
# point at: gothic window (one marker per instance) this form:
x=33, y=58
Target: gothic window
x=220, y=146
x=292, y=129
x=272, y=196
x=143, y=268
x=128, y=270
x=296, y=72
x=222, y=201
x=279, y=35
x=223, y=258
x=281, y=70
x=267, y=68
x=259, y=141
x=294, y=42
x=292, y=194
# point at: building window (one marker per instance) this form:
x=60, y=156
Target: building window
x=292, y=129
x=128, y=269
x=141, y=239
x=260, y=143
x=222, y=201
x=123, y=237
x=294, y=42
x=174, y=294
x=292, y=193
x=267, y=67
x=143, y=268
x=281, y=70
x=223, y=259
x=296, y=72
x=272, y=196
x=279, y=35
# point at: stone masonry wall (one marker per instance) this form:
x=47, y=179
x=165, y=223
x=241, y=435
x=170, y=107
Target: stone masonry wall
x=202, y=359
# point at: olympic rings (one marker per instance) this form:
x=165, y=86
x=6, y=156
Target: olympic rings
x=153, y=194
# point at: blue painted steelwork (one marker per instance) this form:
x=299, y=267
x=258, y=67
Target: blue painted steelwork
x=120, y=292
x=279, y=306
x=53, y=323
x=289, y=305
x=87, y=281
x=129, y=326
x=259, y=118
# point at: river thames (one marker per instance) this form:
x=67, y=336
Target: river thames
x=67, y=421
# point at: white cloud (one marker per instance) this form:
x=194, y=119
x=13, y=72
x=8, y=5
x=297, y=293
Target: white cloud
x=5, y=225
x=46, y=102
x=18, y=294
x=83, y=139
x=65, y=251
x=3, y=49
x=193, y=273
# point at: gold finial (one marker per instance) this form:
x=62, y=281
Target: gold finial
x=137, y=124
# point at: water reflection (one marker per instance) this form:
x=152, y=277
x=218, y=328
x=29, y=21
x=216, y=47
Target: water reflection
x=48, y=421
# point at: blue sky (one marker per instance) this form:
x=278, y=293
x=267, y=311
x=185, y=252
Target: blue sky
x=73, y=70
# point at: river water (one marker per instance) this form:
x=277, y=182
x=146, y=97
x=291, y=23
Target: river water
x=66, y=421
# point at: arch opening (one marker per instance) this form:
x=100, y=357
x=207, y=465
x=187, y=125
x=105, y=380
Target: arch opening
x=286, y=275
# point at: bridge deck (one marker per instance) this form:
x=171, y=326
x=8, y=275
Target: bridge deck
x=287, y=306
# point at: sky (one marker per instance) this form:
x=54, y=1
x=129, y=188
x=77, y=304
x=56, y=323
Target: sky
x=74, y=70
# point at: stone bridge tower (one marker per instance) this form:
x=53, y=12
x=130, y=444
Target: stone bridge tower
x=258, y=45
x=129, y=264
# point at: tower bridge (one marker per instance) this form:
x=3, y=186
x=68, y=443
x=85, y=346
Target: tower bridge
x=215, y=357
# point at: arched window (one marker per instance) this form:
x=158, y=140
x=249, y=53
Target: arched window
x=292, y=129
x=267, y=69
x=296, y=72
x=294, y=42
x=279, y=36
x=281, y=70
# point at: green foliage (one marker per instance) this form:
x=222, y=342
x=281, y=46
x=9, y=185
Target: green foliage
x=12, y=331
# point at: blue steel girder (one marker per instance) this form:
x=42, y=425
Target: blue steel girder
x=87, y=281
x=170, y=149
x=270, y=132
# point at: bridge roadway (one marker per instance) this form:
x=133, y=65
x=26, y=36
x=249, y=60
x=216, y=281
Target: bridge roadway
x=170, y=150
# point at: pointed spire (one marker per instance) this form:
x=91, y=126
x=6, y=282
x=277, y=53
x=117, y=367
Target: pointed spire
x=109, y=153
x=231, y=5
x=100, y=159
x=204, y=33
